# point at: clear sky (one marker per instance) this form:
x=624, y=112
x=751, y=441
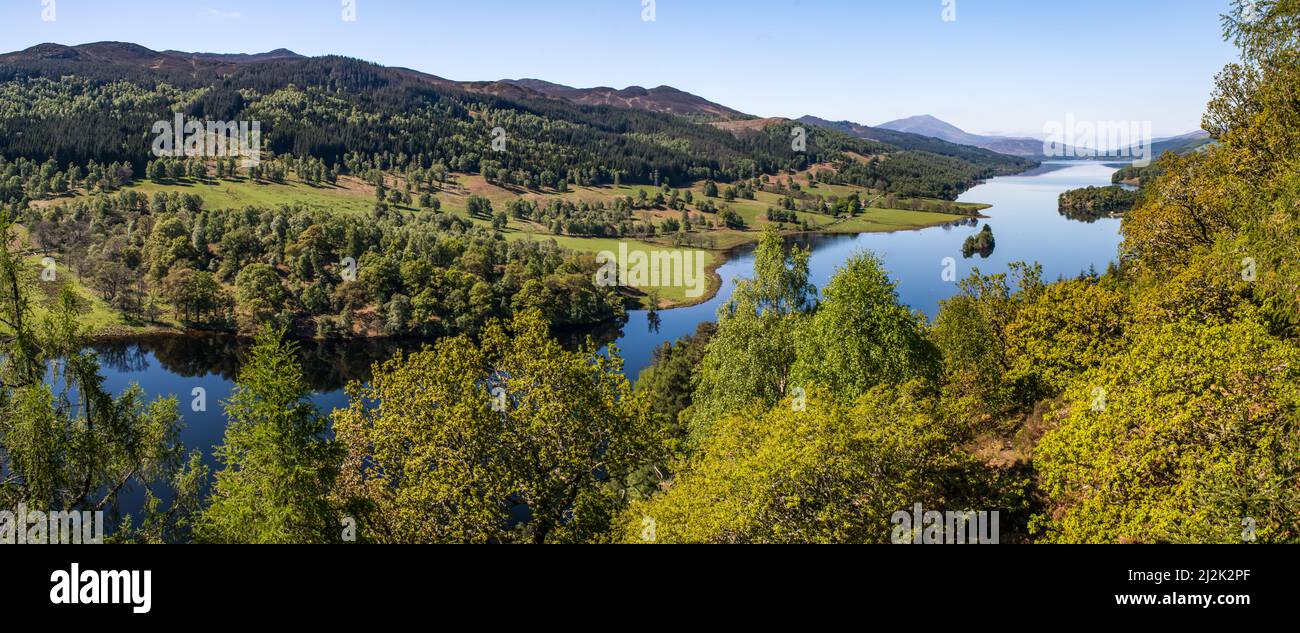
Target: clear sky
x=1002, y=65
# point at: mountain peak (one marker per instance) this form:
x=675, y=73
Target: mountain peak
x=923, y=124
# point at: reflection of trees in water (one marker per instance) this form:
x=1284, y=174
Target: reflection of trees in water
x=601, y=335
x=964, y=222
x=1047, y=168
x=327, y=365
x=188, y=355
x=1086, y=216
x=331, y=365
x=122, y=357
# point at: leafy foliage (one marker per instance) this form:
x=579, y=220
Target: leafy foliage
x=860, y=337
x=750, y=357
x=512, y=439
x=1197, y=432
x=825, y=473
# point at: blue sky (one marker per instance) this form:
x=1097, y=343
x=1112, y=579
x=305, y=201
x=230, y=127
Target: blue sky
x=1003, y=65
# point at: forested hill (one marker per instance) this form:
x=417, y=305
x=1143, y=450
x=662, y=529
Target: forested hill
x=661, y=99
x=98, y=102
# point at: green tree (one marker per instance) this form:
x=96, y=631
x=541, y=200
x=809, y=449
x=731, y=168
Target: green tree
x=668, y=383
x=277, y=463
x=259, y=295
x=196, y=297
x=860, y=336
x=749, y=360
x=1182, y=438
x=479, y=207
x=1067, y=328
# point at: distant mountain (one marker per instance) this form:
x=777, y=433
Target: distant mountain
x=662, y=99
x=927, y=125
x=917, y=142
x=1031, y=147
x=1181, y=144
x=121, y=54
x=238, y=58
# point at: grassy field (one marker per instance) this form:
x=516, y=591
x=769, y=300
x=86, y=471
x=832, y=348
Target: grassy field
x=669, y=295
x=887, y=220
x=228, y=194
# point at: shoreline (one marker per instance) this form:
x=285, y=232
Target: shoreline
x=727, y=254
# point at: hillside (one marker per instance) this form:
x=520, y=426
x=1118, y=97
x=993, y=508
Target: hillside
x=330, y=107
x=664, y=99
x=1181, y=144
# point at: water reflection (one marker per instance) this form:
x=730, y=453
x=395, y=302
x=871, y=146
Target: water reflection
x=327, y=365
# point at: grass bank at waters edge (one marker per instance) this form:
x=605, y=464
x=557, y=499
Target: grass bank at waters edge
x=669, y=296
x=890, y=220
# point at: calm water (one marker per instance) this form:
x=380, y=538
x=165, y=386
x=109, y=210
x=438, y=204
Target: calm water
x=1024, y=219
x=1026, y=226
